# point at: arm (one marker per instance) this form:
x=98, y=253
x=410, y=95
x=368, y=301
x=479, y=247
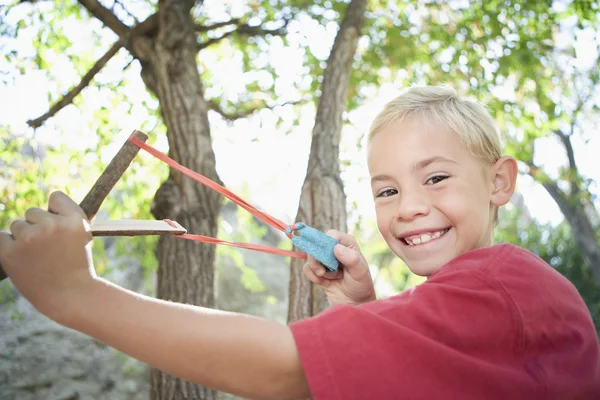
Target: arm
x=239, y=354
x=48, y=259
x=352, y=283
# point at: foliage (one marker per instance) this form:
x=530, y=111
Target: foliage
x=249, y=231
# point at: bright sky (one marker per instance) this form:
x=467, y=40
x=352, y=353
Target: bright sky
x=252, y=154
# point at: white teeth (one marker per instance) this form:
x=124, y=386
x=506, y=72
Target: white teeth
x=424, y=238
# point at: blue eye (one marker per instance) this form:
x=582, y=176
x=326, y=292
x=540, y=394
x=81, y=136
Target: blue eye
x=436, y=179
x=386, y=193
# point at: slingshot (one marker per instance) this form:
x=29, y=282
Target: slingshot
x=307, y=239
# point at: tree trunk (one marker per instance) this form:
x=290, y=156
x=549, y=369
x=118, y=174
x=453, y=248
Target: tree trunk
x=580, y=224
x=323, y=202
x=186, y=268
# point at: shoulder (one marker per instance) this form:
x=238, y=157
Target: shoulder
x=490, y=260
x=505, y=266
x=544, y=305
x=511, y=269
x=528, y=284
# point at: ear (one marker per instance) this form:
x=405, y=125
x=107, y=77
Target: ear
x=504, y=180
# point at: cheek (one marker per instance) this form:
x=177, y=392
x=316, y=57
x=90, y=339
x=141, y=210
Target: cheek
x=383, y=221
x=459, y=207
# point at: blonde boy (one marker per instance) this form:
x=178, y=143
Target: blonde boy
x=491, y=322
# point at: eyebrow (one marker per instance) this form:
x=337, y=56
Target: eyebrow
x=419, y=165
x=431, y=160
x=380, y=178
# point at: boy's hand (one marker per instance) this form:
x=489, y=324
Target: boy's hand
x=48, y=256
x=352, y=282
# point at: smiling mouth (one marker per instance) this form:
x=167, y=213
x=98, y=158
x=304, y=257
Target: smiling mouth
x=423, y=238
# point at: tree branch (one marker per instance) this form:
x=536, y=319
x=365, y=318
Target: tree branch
x=551, y=187
x=247, y=30
x=565, y=138
x=212, y=41
x=146, y=26
x=214, y=106
x=106, y=17
x=573, y=172
x=243, y=30
x=68, y=98
x=206, y=28
x=574, y=213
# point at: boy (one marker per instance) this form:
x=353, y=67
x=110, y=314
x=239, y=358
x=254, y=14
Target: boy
x=491, y=322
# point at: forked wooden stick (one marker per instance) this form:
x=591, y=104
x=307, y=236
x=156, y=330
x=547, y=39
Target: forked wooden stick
x=134, y=227
x=93, y=200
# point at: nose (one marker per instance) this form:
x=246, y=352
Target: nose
x=412, y=205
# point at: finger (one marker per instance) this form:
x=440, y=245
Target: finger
x=350, y=258
x=19, y=228
x=6, y=240
x=321, y=271
x=333, y=275
x=315, y=266
x=310, y=274
x=61, y=204
x=36, y=215
x=344, y=238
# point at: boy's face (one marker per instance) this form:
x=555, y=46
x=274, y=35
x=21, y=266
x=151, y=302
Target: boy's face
x=432, y=197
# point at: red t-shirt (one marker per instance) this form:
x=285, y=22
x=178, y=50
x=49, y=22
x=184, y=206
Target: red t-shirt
x=495, y=323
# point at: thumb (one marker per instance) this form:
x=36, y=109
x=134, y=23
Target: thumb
x=61, y=204
x=350, y=258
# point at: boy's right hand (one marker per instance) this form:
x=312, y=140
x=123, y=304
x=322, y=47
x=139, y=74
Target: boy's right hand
x=48, y=255
x=352, y=282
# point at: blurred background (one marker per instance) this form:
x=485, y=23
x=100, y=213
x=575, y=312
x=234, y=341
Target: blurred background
x=250, y=93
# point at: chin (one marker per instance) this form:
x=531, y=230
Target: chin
x=424, y=267
x=424, y=270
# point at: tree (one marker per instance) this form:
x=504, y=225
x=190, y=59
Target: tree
x=165, y=39
x=323, y=202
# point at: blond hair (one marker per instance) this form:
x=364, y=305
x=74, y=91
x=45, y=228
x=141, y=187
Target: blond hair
x=468, y=119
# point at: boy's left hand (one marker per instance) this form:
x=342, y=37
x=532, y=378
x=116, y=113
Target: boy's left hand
x=352, y=282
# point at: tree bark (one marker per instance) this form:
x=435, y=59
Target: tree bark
x=186, y=268
x=580, y=224
x=323, y=202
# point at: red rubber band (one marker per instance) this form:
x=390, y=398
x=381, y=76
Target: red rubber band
x=248, y=246
x=274, y=222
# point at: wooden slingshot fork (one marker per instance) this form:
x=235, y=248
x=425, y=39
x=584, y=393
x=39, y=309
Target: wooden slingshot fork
x=107, y=180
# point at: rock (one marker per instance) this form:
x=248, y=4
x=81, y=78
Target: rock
x=40, y=359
